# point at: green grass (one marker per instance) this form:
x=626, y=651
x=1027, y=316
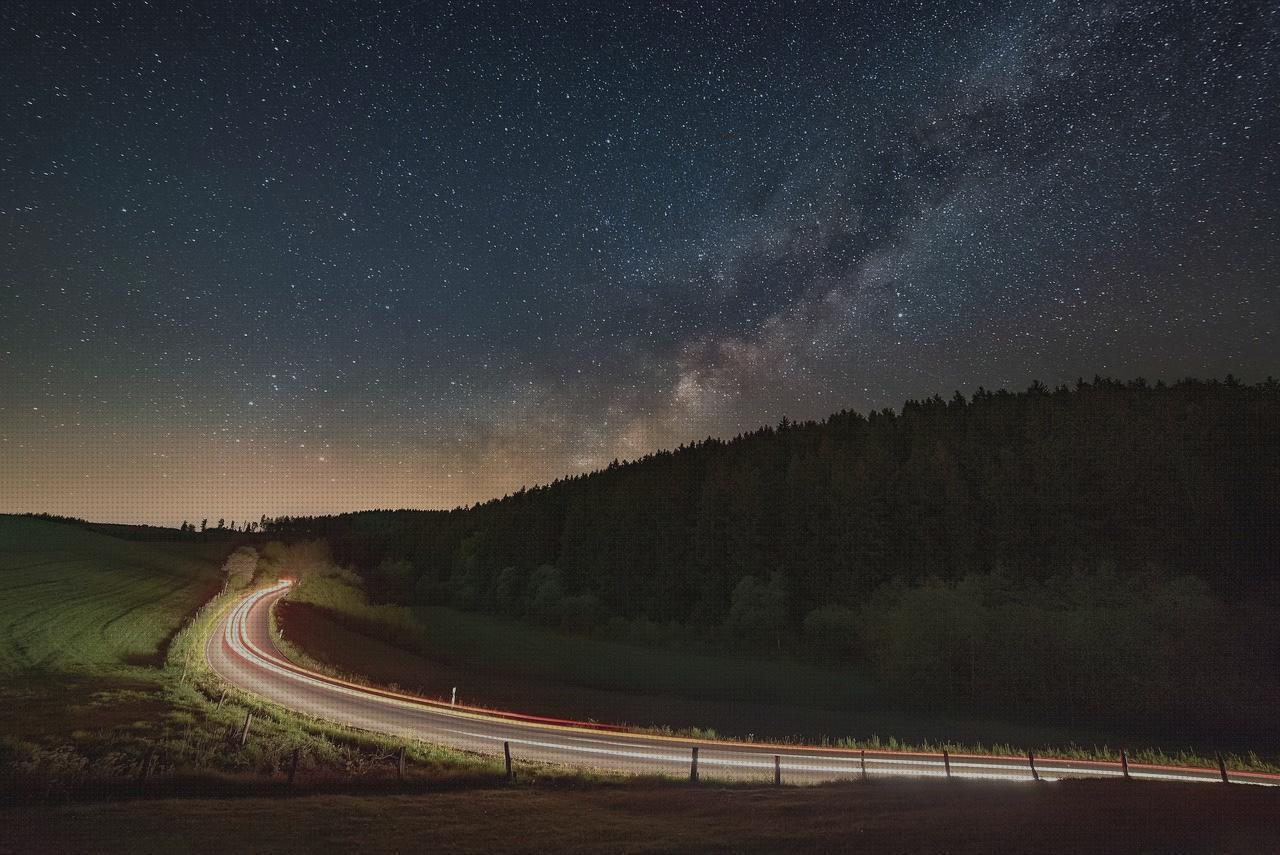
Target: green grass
x=475, y=640
x=104, y=686
x=75, y=600
x=471, y=641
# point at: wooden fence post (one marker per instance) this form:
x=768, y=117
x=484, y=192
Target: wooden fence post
x=1222, y=769
x=777, y=771
x=248, y=720
x=1031, y=758
x=946, y=761
x=506, y=753
x=1124, y=763
x=693, y=767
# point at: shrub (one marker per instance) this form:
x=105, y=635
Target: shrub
x=832, y=630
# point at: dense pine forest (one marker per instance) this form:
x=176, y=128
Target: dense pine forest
x=1070, y=548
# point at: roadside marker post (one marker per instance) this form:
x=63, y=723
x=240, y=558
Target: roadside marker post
x=1124, y=763
x=1222, y=769
x=293, y=766
x=946, y=761
x=864, y=764
x=454, y=700
x=693, y=768
x=400, y=764
x=1031, y=758
x=506, y=753
x=777, y=771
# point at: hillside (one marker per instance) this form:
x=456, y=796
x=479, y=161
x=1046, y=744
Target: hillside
x=1176, y=476
x=85, y=622
x=1081, y=549
x=75, y=599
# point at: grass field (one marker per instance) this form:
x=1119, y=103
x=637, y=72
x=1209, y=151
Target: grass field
x=74, y=600
x=85, y=619
x=505, y=665
x=889, y=816
x=472, y=640
x=92, y=710
x=96, y=638
x=478, y=643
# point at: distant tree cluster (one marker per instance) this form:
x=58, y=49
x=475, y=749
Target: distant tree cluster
x=861, y=536
x=263, y=524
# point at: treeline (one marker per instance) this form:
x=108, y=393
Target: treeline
x=264, y=524
x=141, y=532
x=1004, y=502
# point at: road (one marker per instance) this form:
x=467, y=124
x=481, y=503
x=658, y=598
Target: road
x=242, y=651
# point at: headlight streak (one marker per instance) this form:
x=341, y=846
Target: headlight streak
x=564, y=739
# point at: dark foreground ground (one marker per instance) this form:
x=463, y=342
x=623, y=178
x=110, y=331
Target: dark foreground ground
x=1080, y=816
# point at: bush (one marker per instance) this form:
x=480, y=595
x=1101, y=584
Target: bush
x=509, y=590
x=582, y=612
x=339, y=593
x=293, y=560
x=1087, y=643
x=833, y=631
x=392, y=580
x=546, y=593
x=758, y=611
x=431, y=592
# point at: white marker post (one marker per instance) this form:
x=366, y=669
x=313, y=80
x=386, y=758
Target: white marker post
x=454, y=701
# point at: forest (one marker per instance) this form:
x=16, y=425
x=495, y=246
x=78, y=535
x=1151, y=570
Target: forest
x=1058, y=549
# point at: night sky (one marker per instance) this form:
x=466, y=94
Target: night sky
x=287, y=257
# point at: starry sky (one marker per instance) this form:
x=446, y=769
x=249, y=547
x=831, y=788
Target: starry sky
x=295, y=257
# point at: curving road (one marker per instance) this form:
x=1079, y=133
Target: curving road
x=242, y=651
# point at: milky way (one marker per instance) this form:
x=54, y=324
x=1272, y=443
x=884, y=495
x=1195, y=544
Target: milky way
x=297, y=257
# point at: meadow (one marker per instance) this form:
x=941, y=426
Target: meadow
x=117, y=738
x=75, y=600
x=478, y=643
x=500, y=663
x=103, y=688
